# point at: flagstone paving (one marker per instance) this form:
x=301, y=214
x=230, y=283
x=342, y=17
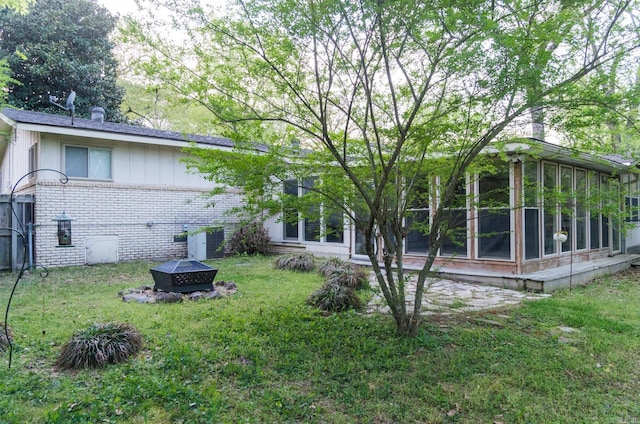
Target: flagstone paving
x=450, y=297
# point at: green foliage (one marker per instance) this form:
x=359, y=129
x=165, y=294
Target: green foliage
x=20, y=6
x=154, y=107
x=250, y=239
x=335, y=297
x=59, y=46
x=378, y=94
x=99, y=345
x=302, y=262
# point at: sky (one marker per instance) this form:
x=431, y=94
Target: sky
x=121, y=7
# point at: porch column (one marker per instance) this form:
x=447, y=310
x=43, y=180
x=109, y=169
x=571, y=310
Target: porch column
x=518, y=226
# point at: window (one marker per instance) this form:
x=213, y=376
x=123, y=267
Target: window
x=33, y=159
x=550, y=213
x=581, y=210
x=311, y=225
x=455, y=242
x=328, y=228
x=290, y=217
x=531, y=211
x=494, y=214
x=594, y=215
x=566, y=216
x=604, y=223
x=417, y=219
x=87, y=162
x=335, y=228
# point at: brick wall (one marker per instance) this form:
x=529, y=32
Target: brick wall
x=144, y=218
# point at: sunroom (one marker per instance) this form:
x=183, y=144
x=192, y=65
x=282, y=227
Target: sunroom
x=505, y=225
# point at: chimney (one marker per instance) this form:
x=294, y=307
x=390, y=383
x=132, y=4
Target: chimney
x=97, y=113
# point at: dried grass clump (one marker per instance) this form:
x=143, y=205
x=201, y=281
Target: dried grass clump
x=335, y=298
x=4, y=338
x=251, y=239
x=303, y=262
x=98, y=345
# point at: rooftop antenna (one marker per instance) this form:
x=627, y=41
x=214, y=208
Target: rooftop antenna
x=69, y=105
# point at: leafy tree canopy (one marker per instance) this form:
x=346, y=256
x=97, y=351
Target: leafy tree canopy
x=59, y=46
x=380, y=96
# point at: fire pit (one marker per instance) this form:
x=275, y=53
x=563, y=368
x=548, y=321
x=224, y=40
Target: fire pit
x=183, y=276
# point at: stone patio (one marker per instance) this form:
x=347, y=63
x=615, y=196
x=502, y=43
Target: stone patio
x=446, y=297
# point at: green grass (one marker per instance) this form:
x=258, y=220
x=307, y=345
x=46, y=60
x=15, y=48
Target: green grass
x=264, y=356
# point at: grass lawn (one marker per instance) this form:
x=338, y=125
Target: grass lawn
x=263, y=356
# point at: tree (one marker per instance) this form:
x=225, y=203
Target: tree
x=19, y=6
x=59, y=46
x=380, y=96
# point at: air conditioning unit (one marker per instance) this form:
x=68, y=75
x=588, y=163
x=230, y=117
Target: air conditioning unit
x=197, y=246
x=202, y=245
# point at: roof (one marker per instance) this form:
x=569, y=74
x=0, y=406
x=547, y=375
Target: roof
x=550, y=151
x=61, y=121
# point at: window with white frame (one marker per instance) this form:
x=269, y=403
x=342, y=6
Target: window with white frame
x=87, y=162
x=33, y=160
x=631, y=197
x=418, y=218
x=290, y=214
x=328, y=228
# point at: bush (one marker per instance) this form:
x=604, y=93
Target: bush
x=330, y=265
x=98, y=345
x=4, y=338
x=350, y=275
x=303, y=262
x=251, y=239
x=335, y=298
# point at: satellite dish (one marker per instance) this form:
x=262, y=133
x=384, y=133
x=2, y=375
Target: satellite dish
x=70, y=99
x=69, y=105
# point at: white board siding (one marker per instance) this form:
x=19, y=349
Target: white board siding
x=138, y=164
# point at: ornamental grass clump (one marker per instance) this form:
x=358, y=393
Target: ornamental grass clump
x=330, y=265
x=99, y=345
x=5, y=338
x=333, y=297
x=303, y=262
x=350, y=275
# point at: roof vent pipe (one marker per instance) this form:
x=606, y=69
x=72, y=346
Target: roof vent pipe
x=97, y=113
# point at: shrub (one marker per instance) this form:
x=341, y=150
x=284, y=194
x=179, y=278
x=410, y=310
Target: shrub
x=4, y=338
x=98, y=345
x=330, y=265
x=335, y=298
x=251, y=239
x=350, y=275
x=303, y=262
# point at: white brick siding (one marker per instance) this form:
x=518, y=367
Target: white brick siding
x=125, y=211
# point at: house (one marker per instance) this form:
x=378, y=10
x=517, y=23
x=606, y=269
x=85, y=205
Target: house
x=511, y=245
x=130, y=197
x=128, y=194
